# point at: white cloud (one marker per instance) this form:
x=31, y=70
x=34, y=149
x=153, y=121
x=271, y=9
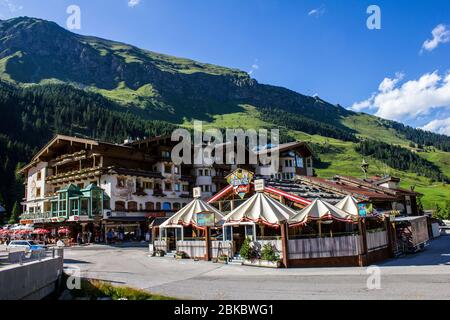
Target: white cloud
x=254, y=67
x=411, y=99
x=133, y=3
x=439, y=126
x=11, y=5
x=441, y=34
x=317, y=12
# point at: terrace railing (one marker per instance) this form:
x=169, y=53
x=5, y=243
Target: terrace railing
x=307, y=248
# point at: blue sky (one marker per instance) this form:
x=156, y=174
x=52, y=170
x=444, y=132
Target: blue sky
x=399, y=72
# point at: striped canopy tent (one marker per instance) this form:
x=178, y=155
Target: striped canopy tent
x=187, y=216
x=320, y=210
x=260, y=208
x=349, y=204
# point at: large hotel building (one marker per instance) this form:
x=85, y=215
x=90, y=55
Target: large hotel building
x=77, y=181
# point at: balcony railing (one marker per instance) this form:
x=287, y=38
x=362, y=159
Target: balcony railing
x=36, y=215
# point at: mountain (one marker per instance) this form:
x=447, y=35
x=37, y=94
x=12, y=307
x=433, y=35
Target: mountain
x=53, y=80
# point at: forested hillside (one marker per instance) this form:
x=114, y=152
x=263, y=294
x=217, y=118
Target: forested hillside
x=56, y=81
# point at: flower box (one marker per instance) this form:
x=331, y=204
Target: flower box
x=262, y=263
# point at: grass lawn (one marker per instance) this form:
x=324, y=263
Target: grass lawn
x=342, y=158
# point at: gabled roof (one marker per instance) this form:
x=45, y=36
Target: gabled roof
x=53, y=141
x=285, y=147
x=260, y=208
x=321, y=210
x=187, y=216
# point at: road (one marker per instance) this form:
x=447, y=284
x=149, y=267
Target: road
x=424, y=275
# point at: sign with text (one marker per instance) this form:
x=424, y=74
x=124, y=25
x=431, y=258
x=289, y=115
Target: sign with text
x=197, y=192
x=240, y=180
x=205, y=219
x=259, y=185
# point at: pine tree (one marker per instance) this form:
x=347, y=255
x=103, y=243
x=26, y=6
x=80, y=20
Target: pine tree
x=14, y=218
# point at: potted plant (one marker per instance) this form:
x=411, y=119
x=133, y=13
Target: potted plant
x=160, y=253
x=223, y=258
x=181, y=255
x=269, y=258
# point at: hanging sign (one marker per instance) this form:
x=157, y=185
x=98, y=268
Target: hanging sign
x=197, y=192
x=240, y=180
x=362, y=209
x=205, y=219
x=259, y=185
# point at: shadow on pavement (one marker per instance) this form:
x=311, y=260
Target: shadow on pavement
x=436, y=253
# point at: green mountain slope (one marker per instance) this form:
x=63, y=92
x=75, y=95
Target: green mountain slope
x=53, y=80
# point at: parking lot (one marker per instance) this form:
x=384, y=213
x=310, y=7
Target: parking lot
x=425, y=275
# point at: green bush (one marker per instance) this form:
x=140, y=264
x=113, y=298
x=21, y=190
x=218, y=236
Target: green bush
x=268, y=253
x=247, y=251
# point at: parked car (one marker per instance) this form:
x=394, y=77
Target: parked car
x=28, y=245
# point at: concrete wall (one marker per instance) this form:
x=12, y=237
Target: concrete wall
x=30, y=281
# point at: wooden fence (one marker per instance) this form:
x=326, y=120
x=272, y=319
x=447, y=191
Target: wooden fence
x=308, y=248
x=221, y=248
x=377, y=240
x=193, y=248
x=160, y=245
x=276, y=244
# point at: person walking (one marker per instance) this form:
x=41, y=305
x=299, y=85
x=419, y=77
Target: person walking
x=79, y=238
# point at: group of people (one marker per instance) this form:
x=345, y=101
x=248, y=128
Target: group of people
x=119, y=235
x=84, y=237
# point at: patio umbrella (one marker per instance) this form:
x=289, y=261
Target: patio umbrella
x=349, y=205
x=261, y=208
x=63, y=231
x=40, y=231
x=188, y=215
x=320, y=211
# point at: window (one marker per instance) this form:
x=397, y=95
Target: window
x=186, y=187
x=167, y=168
x=176, y=206
x=149, y=206
x=132, y=206
x=120, y=206
x=62, y=204
x=39, y=176
x=97, y=196
x=176, y=169
x=84, y=208
x=74, y=207
x=147, y=185
x=120, y=182
x=38, y=192
x=177, y=187
x=158, y=206
x=206, y=188
x=308, y=162
x=165, y=154
x=206, y=172
x=200, y=172
x=166, y=206
x=168, y=186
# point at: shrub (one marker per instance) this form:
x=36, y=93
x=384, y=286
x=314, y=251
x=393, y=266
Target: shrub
x=268, y=253
x=247, y=252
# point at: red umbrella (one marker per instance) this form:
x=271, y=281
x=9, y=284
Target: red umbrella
x=40, y=231
x=63, y=231
x=24, y=232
